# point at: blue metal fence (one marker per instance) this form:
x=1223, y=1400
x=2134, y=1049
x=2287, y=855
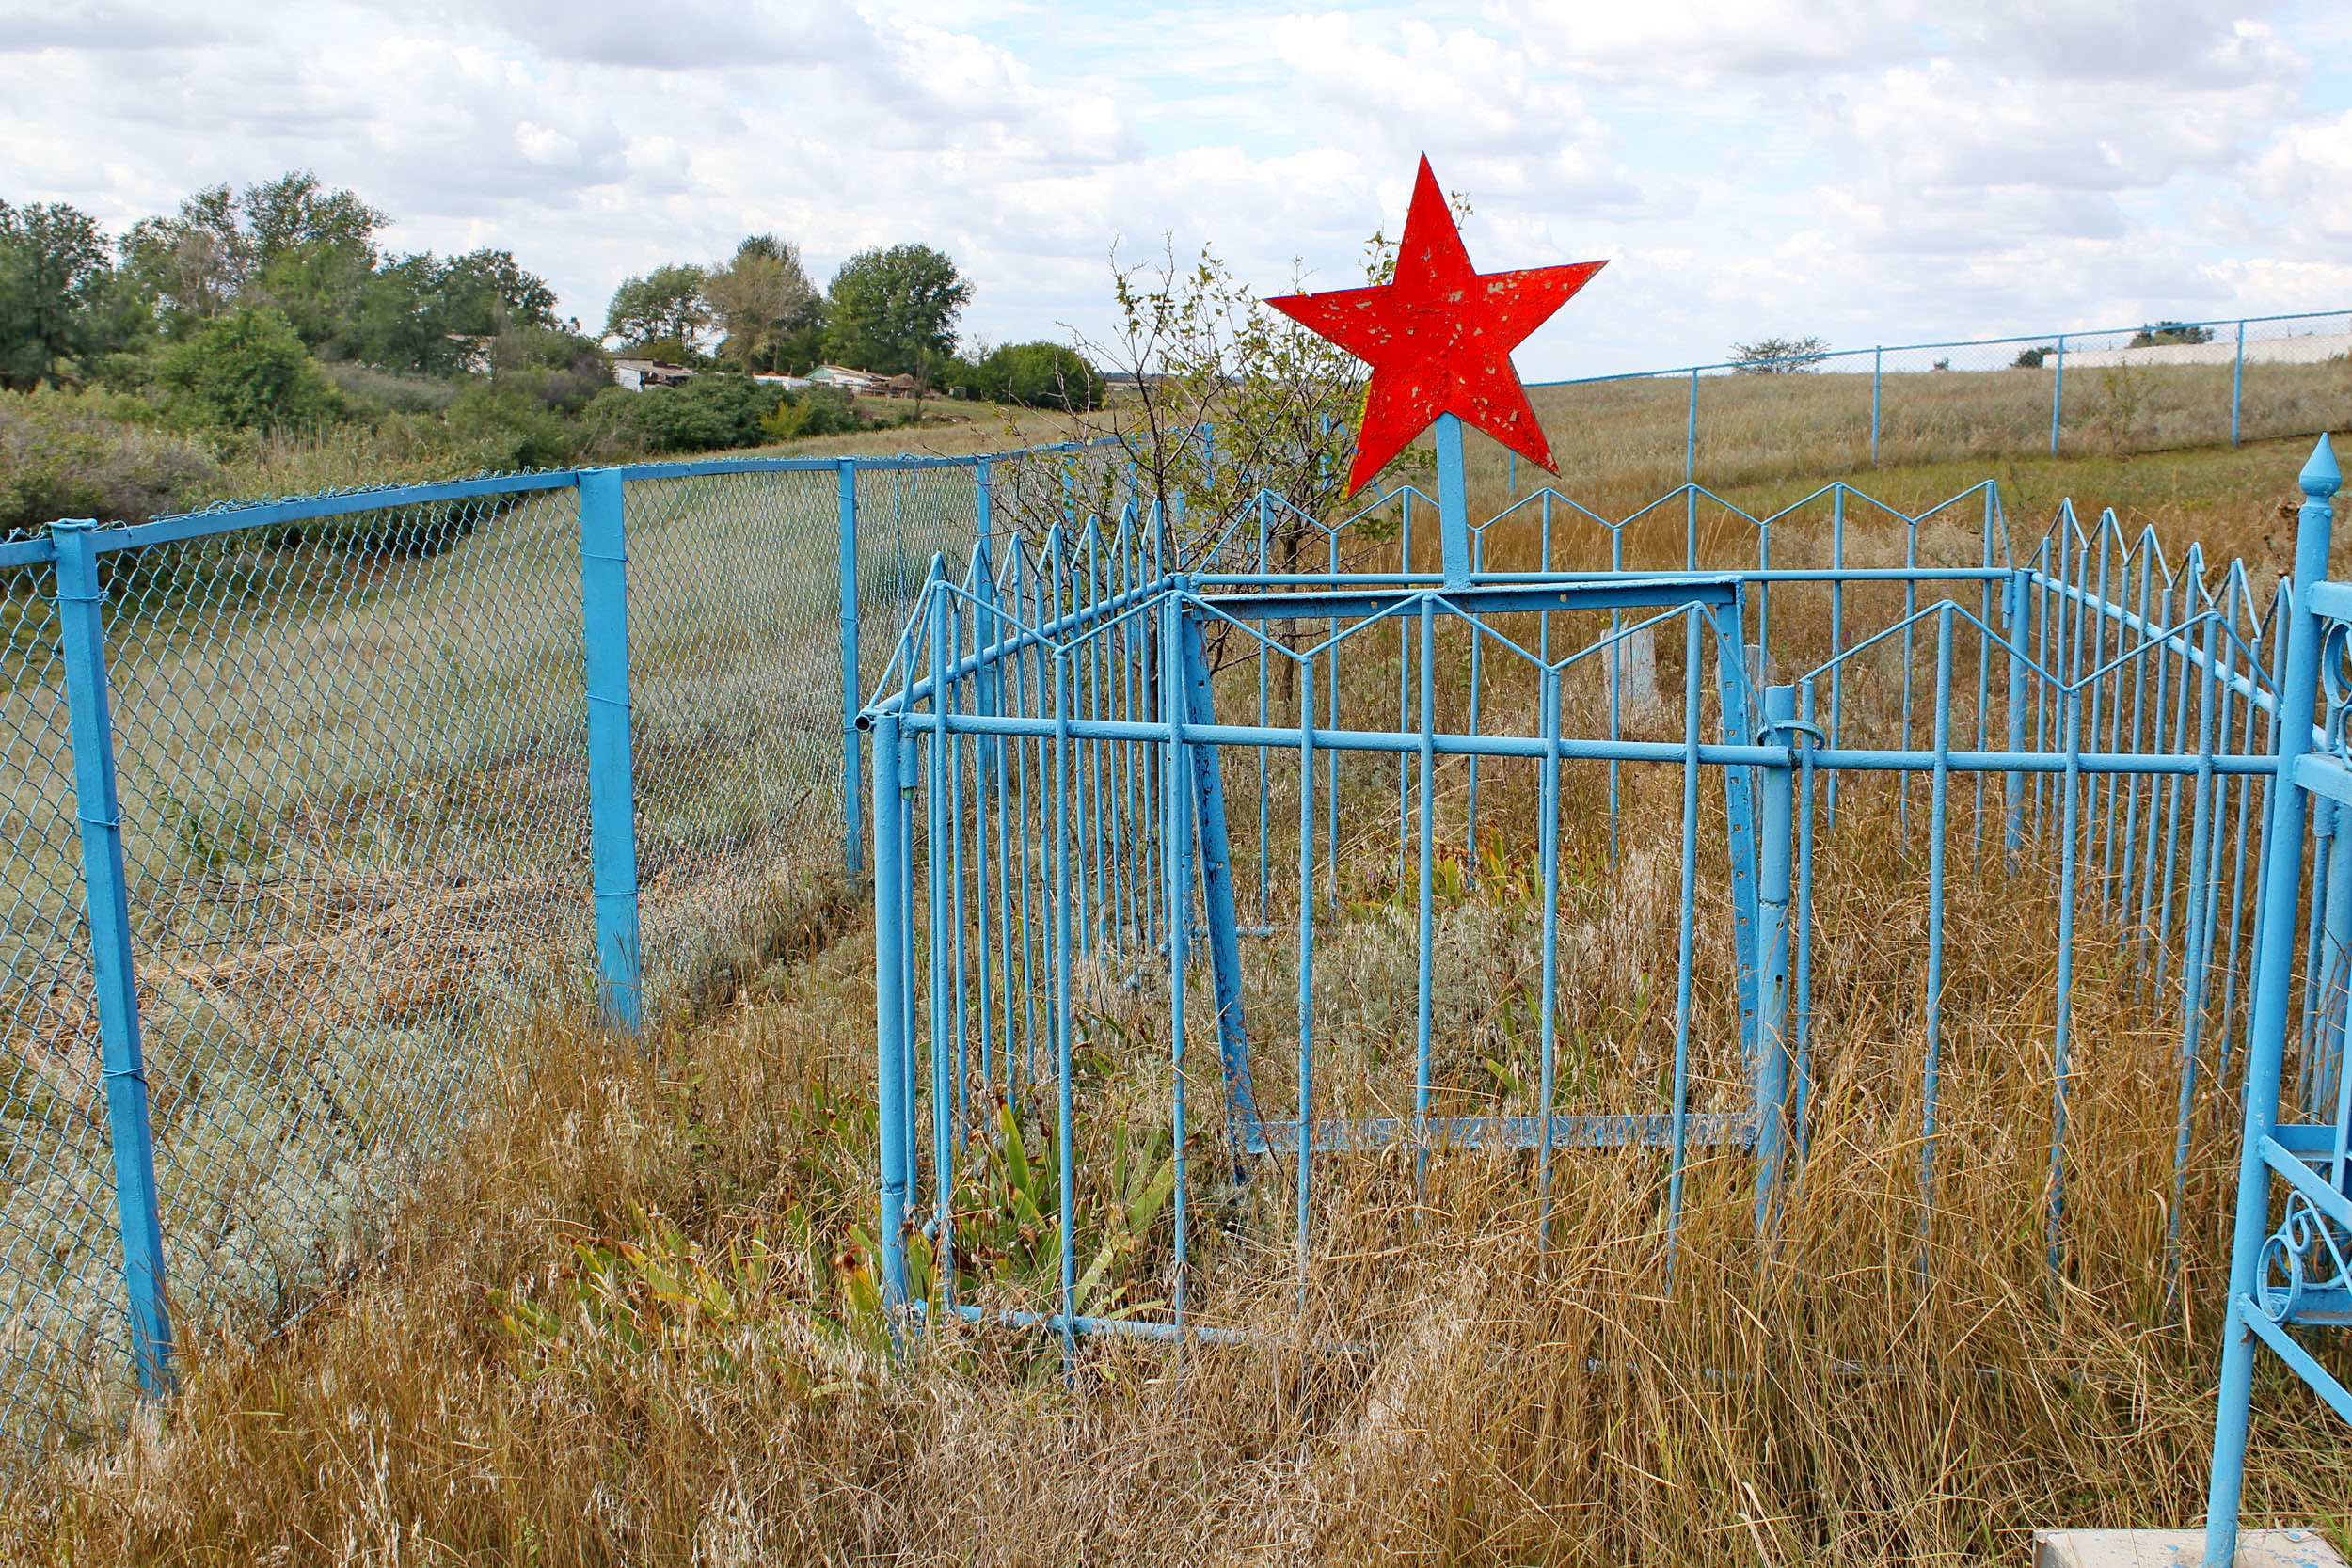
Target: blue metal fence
x=2129, y=388
x=312, y=800
x=1128, y=783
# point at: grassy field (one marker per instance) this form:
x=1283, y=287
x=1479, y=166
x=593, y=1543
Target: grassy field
x=627, y=1323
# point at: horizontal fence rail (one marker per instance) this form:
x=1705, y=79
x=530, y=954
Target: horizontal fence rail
x=312, y=802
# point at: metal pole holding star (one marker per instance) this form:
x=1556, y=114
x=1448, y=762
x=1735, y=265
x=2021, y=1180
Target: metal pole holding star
x=1439, y=338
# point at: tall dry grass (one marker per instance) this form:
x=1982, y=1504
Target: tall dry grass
x=619, y=1324
x=619, y=1328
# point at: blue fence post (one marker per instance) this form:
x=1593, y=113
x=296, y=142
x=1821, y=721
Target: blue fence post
x=2013, y=788
x=1775, y=879
x=1689, y=479
x=890, y=1009
x=853, y=792
x=612, y=789
x=1454, y=537
x=2274, y=989
x=1878, y=364
x=81, y=637
x=2237, y=383
x=2057, y=394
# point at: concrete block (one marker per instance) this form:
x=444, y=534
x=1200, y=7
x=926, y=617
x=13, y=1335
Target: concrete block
x=2179, y=1548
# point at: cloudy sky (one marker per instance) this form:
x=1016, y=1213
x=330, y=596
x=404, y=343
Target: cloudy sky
x=1869, y=171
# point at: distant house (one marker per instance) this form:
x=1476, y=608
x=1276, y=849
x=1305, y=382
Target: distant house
x=862, y=383
x=789, y=382
x=638, y=374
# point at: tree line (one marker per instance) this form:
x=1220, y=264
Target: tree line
x=892, y=310
x=281, y=305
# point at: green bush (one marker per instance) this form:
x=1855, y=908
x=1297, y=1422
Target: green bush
x=247, y=370
x=1039, y=375
x=396, y=391
x=67, y=456
x=709, y=413
x=503, y=430
x=819, y=411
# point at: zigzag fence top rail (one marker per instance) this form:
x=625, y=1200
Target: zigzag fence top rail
x=361, y=780
x=2140, y=388
x=1399, y=836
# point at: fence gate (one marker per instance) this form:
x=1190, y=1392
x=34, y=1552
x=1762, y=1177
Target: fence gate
x=2295, y=1270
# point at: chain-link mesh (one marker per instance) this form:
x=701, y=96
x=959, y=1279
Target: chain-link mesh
x=60, y=1255
x=354, y=779
x=2150, y=388
x=353, y=776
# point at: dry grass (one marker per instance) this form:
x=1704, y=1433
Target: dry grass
x=1448, y=1389
x=620, y=1323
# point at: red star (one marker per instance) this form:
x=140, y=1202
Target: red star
x=1439, y=338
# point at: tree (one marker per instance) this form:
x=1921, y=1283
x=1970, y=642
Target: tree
x=1039, y=375
x=894, y=310
x=2164, y=333
x=667, y=303
x=756, y=296
x=290, y=244
x=422, y=312
x=248, y=370
x=1223, y=398
x=1777, y=356
x=53, y=280
x=195, y=264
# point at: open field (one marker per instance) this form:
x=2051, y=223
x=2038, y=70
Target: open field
x=628, y=1321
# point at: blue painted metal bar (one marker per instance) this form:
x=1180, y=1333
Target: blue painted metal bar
x=1878, y=369
x=1932, y=1003
x=2237, y=383
x=1335, y=1135
x=852, y=785
x=1176, y=827
x=1216, y=882
x=107, y=900
x=1768, y=1062
x=612, y=788
x=890, y=1011
x=1695, y=631
x=2273, y=988
x=1454, y=537
x=2058, y=393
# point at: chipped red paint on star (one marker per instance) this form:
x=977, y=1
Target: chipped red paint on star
x=1439, y=338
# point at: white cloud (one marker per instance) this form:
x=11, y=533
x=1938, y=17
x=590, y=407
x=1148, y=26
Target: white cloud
x=1898, y=167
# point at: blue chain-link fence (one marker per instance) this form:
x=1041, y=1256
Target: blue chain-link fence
x=2132, y=389
x=311, y=802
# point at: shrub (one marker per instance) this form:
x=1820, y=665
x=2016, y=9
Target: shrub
x=1777, y=356
x=1039, y=375
x=709, y=413
x=62, y=456
x=500, y=428
x=819, y=411
x=248, y=371
x=400, y=392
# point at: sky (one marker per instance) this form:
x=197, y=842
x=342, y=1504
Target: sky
x=1867, y=173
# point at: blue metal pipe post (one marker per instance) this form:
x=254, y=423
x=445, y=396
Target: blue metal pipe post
x=611, y=801
x=2057, y=394
x=82, y=638
x=2237, y=383
x=1774, y=882
x=853, y=837
x=890, y=1009
x=1454, y=535
x=2274, y=989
